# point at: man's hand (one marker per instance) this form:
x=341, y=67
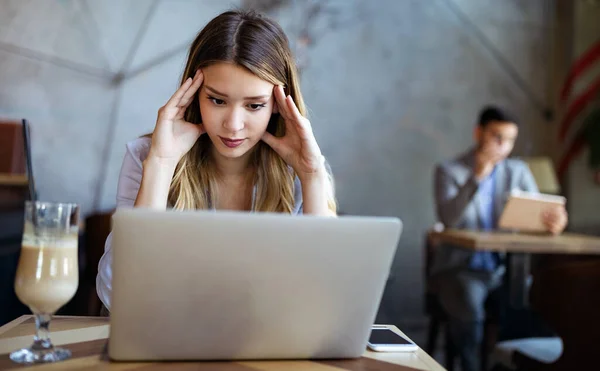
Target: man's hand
x=486, y=158
x=555, y=219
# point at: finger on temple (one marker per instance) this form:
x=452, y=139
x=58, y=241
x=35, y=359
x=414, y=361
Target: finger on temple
x=176, y=97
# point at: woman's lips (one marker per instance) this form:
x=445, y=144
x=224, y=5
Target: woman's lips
x=232, y=143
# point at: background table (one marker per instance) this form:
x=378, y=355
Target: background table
x=518, y=247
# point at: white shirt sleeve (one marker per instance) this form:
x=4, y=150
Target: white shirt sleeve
x=127, y=190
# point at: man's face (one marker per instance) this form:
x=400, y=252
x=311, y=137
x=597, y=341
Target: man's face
x=497, y=136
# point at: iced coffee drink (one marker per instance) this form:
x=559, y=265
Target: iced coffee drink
x=47, y=275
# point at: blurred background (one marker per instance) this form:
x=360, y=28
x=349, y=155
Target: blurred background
x=392, y=87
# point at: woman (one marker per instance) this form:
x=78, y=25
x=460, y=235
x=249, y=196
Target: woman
x=233, y=137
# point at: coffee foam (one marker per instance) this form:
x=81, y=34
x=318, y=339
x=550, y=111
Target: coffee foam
x=30, y=242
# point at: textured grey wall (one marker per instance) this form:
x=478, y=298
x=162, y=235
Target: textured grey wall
x=393, y=86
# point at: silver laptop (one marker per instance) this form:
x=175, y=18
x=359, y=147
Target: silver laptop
x=237, y=286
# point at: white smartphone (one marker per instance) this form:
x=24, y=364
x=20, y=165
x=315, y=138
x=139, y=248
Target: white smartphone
x=383, y=339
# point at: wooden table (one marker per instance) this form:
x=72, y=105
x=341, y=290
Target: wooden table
x=566, y=243
x=86, y=337
x=519, y=247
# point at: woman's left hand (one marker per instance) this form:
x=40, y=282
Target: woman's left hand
x=298, y=147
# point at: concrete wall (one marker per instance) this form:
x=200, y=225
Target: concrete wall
x=393, y=86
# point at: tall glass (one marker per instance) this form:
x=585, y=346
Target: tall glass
x=47, y=274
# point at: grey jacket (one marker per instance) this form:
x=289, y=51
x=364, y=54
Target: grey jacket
x=457, y=198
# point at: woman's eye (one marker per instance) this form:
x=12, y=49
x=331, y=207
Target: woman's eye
x=256, y=106
x=217, y=101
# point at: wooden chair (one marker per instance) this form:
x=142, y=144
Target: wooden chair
x=97, y=229
x=13, y=181
x=435, y=312
x=13, y=193
x=438, y=318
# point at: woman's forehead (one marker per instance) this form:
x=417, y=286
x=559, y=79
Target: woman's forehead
x=236, y=82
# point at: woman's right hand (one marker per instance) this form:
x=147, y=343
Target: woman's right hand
x=173, y=137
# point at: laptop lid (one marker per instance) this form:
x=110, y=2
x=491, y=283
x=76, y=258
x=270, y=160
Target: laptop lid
x=224, y=285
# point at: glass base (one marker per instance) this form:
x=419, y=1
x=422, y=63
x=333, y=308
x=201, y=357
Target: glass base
x=29, y=356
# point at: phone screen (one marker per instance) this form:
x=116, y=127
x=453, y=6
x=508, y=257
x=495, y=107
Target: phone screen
x=387, y=336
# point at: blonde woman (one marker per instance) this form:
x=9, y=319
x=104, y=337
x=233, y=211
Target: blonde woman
x=234, y=136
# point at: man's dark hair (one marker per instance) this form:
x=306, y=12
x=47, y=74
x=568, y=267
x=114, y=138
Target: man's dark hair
x=492, y=113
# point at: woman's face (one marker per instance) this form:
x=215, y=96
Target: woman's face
x=236, y=106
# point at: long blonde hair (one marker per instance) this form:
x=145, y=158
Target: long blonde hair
x=258, y=44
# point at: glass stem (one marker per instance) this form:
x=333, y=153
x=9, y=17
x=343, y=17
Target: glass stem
x=41, y=341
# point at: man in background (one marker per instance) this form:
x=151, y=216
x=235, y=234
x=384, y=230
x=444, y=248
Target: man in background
x=470, y=193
